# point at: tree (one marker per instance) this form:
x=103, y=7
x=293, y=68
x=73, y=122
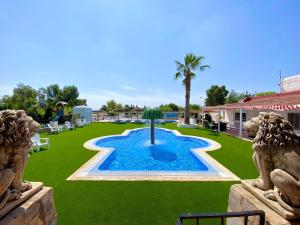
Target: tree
x=103, y=108
x=48, y=114
x=174, y=107
x=118, y=109
x=111, y=105
x=53, y=94
x=187, y=71
x=80, y=101
x=181, y=109
x=6, y=102
x=127, y=108
x=245, y=95
x=194, y=107
x=265, y=93
x=69, y=94
x=41, y=97
x=171, y=107
x=216, y=95
x=165, y=108
x=24, y=97
x=39, y=103
x=233, y=97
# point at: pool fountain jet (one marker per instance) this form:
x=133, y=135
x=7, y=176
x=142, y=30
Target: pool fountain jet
x=152, y=114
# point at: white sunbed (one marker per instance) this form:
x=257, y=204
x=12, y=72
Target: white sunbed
x=54, y=129
x=85, y=121
x=69, y=125
x=38, y=142
x=79, y=123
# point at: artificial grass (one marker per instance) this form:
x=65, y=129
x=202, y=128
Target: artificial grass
x=132, y=202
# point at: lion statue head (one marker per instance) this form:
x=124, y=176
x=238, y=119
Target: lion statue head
x=273, y=132
x=251, y=126
x=16, y=129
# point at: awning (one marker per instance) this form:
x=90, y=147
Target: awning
x=253, y=107
x=273, y=107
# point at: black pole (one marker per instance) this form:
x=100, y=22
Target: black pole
x=152, y=131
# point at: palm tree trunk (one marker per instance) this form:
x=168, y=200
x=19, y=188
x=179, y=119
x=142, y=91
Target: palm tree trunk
x=152, y=131
x=187, y=101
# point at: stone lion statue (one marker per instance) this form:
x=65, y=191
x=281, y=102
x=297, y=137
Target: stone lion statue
x=277, y=157
x=252, y=125
x=16, y=130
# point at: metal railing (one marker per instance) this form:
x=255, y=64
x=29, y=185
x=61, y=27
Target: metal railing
x=222, y=217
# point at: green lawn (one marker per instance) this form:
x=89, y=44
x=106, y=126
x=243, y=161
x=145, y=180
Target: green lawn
x=133, y=202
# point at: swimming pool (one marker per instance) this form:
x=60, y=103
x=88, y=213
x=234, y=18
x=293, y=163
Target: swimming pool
x=130, y=156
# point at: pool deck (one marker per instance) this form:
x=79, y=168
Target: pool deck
x=84, y=172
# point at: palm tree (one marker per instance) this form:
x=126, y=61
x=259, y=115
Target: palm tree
x=187, y=71
x=118, y=109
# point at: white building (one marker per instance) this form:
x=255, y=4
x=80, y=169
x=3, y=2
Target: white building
x=286, y=103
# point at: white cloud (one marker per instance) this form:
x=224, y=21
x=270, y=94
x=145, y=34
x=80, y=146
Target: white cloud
x=128, y=88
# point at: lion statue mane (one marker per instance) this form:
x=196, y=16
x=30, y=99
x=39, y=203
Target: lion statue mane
x=277, y=157
x=16, y=130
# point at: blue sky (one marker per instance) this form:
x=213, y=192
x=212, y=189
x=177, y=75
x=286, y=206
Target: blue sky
x=125, y=50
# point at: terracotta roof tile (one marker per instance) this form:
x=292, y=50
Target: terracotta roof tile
x=279, y=100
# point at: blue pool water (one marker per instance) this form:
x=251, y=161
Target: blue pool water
x=135, y=153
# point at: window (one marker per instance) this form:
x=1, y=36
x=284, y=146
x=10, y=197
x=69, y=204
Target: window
x=237, y=116
x=294, y=119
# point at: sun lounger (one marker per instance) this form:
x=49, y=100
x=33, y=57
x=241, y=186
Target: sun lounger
x=38, y=142
x=79, y=123
x=54, y=129
x=69, y=125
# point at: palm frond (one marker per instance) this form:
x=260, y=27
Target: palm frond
x=177, y=75
x=180, y=66
x=203, y=67
x=192, y=75
x=197, y=62
x=192, y=61
x=177, y=62
x=188, y=59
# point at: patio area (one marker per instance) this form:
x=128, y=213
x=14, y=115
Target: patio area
x=236, y=133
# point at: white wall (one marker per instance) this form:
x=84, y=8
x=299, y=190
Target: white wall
x=230, y=114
